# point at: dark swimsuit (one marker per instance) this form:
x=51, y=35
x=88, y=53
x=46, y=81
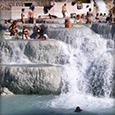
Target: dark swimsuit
x=97, y=18
x=31, y=20
x=25, y=32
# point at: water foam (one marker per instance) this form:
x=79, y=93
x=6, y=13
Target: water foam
x=88, y=73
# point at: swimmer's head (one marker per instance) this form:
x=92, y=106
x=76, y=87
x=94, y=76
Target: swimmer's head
x=78, y=109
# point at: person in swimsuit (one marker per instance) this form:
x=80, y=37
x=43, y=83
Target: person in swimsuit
x=31, y=16
x=25, y=33
x=111, y=16
x=78, y=19
x=13, y=29
x=52, y=16
x=22, y=16
x=64, y=10
x=89, y=17
x=98, y=19
x=39, y=31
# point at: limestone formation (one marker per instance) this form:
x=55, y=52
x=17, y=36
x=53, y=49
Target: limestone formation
x=5, y=91
x=30, y=79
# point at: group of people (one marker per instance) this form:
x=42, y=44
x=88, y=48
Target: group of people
x=25, y=32
x=88, y=18
x=30, y=16
x=79, y=19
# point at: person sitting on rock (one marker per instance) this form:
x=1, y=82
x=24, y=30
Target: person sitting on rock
x=98, y=19
x=45, y=37
x=6, y=22
x=22, y=16
x=78, y=109
x=25, y=33
x=39, y=31
x=68, y=23
x=52, y=16
x=13, y=29
x=78, y=19
x=111, y=16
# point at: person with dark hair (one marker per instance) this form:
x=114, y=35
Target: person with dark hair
x=64, y=10
x=25, y=33
x=98, y=19
x=52, y=16
x=6, y=22
x=111, y=16
x=89, y=17
x=13, y=29
x=31, y=15
x=104, y=15
x=78, y=19
x=107, y=19
x=22, y=16
x=78, y=109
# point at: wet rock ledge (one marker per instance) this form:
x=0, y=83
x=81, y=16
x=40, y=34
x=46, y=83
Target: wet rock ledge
x=32, y=79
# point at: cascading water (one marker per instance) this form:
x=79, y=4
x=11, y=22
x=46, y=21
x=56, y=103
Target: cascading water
x=88, y=71
x=87, y=60
x=102, y=8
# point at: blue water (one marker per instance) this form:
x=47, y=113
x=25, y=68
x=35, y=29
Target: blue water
x=42, y=105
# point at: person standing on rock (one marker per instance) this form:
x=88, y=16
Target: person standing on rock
x=89, y=16
x=22, y=16
x=31, y=16
x=64, y=10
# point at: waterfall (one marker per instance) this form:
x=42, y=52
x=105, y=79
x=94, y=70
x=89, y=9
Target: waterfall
x=88, y=70
x=12, y=52
x=102, y=8
x=88, y=62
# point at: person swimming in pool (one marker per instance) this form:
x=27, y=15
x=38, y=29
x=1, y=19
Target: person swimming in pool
x=78, y=109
